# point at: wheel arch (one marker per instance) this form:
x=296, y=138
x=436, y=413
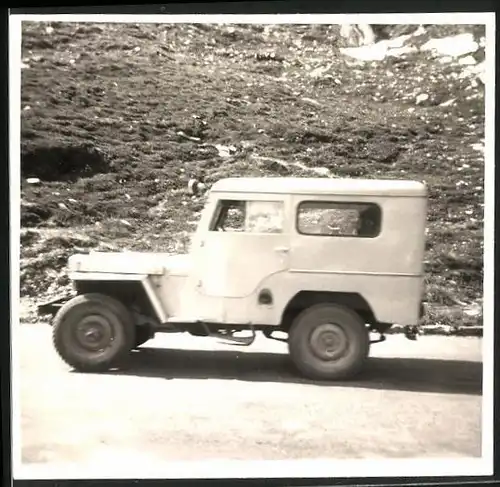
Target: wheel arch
x=132, y=290
x=306, y=299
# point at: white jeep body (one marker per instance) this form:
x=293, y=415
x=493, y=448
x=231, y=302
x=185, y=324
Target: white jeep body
x=294, y=243
x=219, y=281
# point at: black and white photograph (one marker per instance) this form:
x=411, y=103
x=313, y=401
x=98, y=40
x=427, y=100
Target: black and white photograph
x=252, y=245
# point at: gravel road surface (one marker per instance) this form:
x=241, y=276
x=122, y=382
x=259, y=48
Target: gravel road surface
x=185, y=398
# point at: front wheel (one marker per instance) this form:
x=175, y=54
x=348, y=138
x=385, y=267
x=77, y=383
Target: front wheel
x=93, y=332
x=328, y=342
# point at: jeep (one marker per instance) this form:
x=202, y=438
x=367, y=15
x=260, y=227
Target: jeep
x=325, y=261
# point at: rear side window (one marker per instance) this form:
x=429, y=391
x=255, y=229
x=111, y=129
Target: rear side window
x=324, y=218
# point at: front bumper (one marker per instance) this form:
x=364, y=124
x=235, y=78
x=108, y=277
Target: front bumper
x=54, y=305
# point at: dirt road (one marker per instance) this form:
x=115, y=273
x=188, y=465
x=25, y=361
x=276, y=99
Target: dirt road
x=418, y=399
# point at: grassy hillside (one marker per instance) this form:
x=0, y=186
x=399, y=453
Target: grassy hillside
x=116, y=118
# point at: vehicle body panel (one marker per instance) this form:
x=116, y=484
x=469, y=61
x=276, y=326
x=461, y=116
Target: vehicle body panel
x=222, y=277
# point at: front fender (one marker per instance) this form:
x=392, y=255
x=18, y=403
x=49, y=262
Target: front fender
x=144, y=279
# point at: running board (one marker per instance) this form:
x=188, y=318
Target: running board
x=229, y=339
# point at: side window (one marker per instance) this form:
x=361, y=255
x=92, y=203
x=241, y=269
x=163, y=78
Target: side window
x=249, y=216
x=265, y=217
x=339, y=219
x=229, y=217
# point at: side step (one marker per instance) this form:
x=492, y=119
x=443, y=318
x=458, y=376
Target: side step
x=229, y=339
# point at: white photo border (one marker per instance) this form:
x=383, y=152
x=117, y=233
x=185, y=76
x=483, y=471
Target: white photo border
x=321, y=468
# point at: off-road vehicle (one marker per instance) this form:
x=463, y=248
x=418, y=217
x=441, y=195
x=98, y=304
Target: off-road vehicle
x=328, y=262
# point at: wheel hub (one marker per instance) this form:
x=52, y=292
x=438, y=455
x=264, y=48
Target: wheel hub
x=328, y=341
x=94, y=333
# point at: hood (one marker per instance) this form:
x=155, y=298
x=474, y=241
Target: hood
x=130, y=263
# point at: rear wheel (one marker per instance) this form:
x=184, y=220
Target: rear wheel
x=93, y=332
x=328, y=342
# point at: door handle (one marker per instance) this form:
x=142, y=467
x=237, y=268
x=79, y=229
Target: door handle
x=282, y=249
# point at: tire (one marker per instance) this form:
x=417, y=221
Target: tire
x=142, y=335
x=103, y=317
x=328, y=324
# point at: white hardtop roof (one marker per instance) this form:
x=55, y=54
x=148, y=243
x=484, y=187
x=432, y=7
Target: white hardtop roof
x=334, y=186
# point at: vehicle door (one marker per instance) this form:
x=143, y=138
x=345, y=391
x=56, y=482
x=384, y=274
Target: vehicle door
x=247, y=242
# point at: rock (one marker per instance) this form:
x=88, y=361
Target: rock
x=481, y=72
x=376, y=52
x=467, y=61
x=318, y=171
x=49, y=30
x=63, y=280
x=357, y=34
x=445, y=59
x=311, y=101
x=421, y=98
x=62, y=206
x=420, y=31
x=33, y=181
x=475, y=72
x=180, y=133
x=268, y=56
x=225, y=151
x=453, y=46
x=247, y=144
x=379, y=51
x=448, y=103
x=319, y=72
x=321, y=171
x=196, y=187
